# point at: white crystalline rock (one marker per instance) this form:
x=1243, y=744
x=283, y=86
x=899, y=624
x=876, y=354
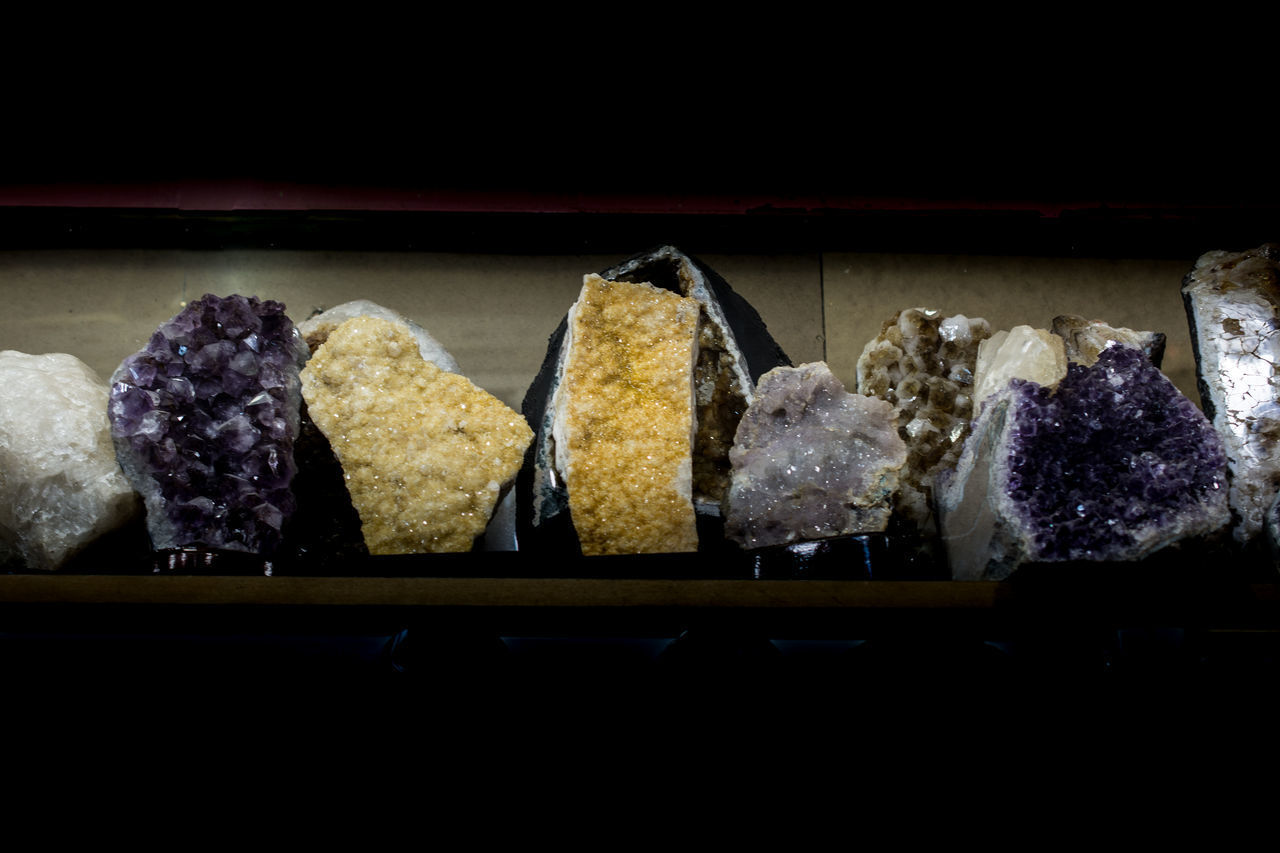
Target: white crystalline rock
x=1020, y=353
x=60, y=484
x=315, y=330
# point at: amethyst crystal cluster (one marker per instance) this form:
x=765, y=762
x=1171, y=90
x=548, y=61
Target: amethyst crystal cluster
x=1111, y=465
x=204, y=421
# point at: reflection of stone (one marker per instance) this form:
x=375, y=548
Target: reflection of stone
x=1233, y=305
x=1112, y=465
x=1085, y=339
x=923, y=364
x=811, y=460
x=204, y=420
x=1020, y=353
x=426, y=454
x=623, y=423
x=60, y=485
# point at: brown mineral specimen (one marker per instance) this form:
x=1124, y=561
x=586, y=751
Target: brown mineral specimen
x=923, y=364
x=624, y=418
x=426, y=453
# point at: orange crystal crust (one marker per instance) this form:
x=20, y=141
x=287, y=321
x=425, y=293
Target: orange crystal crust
x=426, y=454
x=625, y=420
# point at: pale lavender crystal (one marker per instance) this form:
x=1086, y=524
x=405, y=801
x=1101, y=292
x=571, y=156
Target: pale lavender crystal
x=204, y=420
x=1113, y=464
x=811, y=461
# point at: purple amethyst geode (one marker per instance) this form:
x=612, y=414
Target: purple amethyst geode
x=204, y=421
x=1112, y=464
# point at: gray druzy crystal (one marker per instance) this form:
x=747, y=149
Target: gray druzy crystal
x=60, y=486
x=1233, y=306
x=811, y=461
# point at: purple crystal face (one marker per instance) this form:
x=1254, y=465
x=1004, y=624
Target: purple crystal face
x=204, y=420
x=1113, y=461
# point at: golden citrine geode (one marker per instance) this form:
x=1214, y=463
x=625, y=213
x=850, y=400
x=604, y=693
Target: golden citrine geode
x=624, y=425
x=426, y=454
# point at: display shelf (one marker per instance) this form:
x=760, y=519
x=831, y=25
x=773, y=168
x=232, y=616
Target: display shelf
x=523, y=595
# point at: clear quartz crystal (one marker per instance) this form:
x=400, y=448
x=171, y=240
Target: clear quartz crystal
x=1021, y=352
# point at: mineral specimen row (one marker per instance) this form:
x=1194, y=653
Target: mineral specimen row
x=206, y=418
x=667, y=419
x=653, y=435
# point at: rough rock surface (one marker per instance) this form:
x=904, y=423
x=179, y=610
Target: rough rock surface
x=923, y=363
x=624, y=418
x=60, y=484
x=204, y=420
x=316, y=329
x=1112, y=465
x=426, y=454
x=812, y=461
x=1085, y=339
x=1022, y=353
x=1233, y=306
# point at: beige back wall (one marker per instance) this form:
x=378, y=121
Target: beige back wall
x=494, y=313
x=864, y=290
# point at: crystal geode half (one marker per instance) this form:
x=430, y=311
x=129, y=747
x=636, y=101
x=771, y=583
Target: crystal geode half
x=204, y=420
x=923, y=363
x=732, y=349
x=60, y=485
x=624, y=419
x=812, y=461
x=1233, y=306
x=1113, y=464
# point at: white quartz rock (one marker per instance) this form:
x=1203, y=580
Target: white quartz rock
x=60, y=484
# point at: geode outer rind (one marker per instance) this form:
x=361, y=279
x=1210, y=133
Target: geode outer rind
x=1233, y=307
x=731, y=330
x=60, y=485
x=812, y=461
x=204, y=420
x=923, y=363
x=1113, y=464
